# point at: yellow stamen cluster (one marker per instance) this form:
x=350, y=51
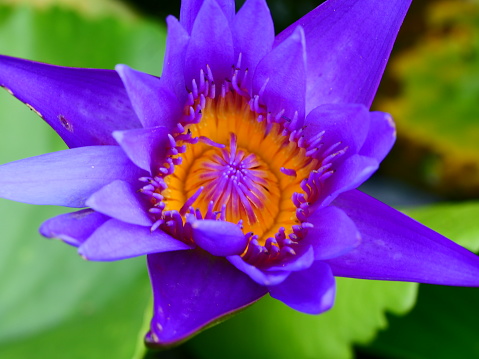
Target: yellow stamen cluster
x=265, y=151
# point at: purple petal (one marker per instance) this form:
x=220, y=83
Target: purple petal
x=154, y=102
x=259, y=276
x=350, y=174
x=282, y=74
x=381, y=136
x=146, y=147
x=276, y=274
x=73, y=228
x=193, y=289
x=349, y=42
x=253, y=33
x=119, y=240
x=303, y=259
x=334, y=233
x=84, y=106
x=309, y=291
x=220, y=238
x=65, y=178
x=396, y=247
x=211, y=44
x=120, y=200
x=190, y=8
x=348, y=124
x=175, y=53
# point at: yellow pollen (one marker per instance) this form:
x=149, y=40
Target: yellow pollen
x=244, y=177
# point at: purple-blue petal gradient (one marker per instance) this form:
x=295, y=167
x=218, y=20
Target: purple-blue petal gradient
x=190, y=8
x=174, y=62
x=116, y=240
x=381, y=136
x=275, y=273
x=344, y=123
x=282, y=74
x=191, y=290
x=253, y=32
x=334, y=233
x=310, y=291
x=65, y=178
x=154, y=102
x=211, y=44
x=351, y=173
x=121, y=200
x=348, y=43
x=146, y=147
x=303, y=259
x=84, y=106
x=396, y=247
x=73, y=228
x=220, y=238
x=262, y=277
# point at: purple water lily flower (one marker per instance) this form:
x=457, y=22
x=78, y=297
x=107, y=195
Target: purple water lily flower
x=236, y=171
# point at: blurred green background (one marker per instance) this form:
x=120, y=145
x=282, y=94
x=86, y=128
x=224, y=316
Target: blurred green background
x=55, y=305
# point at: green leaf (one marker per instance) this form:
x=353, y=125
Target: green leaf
x=443, y=325
x=65, y=38
x=269, y=329
x=444, y=322
x=86, y=8
x=53, y=303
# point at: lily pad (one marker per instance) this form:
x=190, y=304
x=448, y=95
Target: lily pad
x=436, y=107
x=53, y=303
x=269, y=329
x=443, y=325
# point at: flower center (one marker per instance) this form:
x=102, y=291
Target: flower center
x=243, y=167
x=238, y=181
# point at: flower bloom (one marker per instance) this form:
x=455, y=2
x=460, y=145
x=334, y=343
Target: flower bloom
x=235, y=172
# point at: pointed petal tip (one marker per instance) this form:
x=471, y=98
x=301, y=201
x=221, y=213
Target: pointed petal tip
x=253, y=31
x=120, y=200
x=118, y=135
x=153, y=100
x=281, y=77
x=65, y=178
x=120, y=67
x=82, y=105
x=72, y=228
x=298, y=34
x=212, y=32
x=396, y=247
